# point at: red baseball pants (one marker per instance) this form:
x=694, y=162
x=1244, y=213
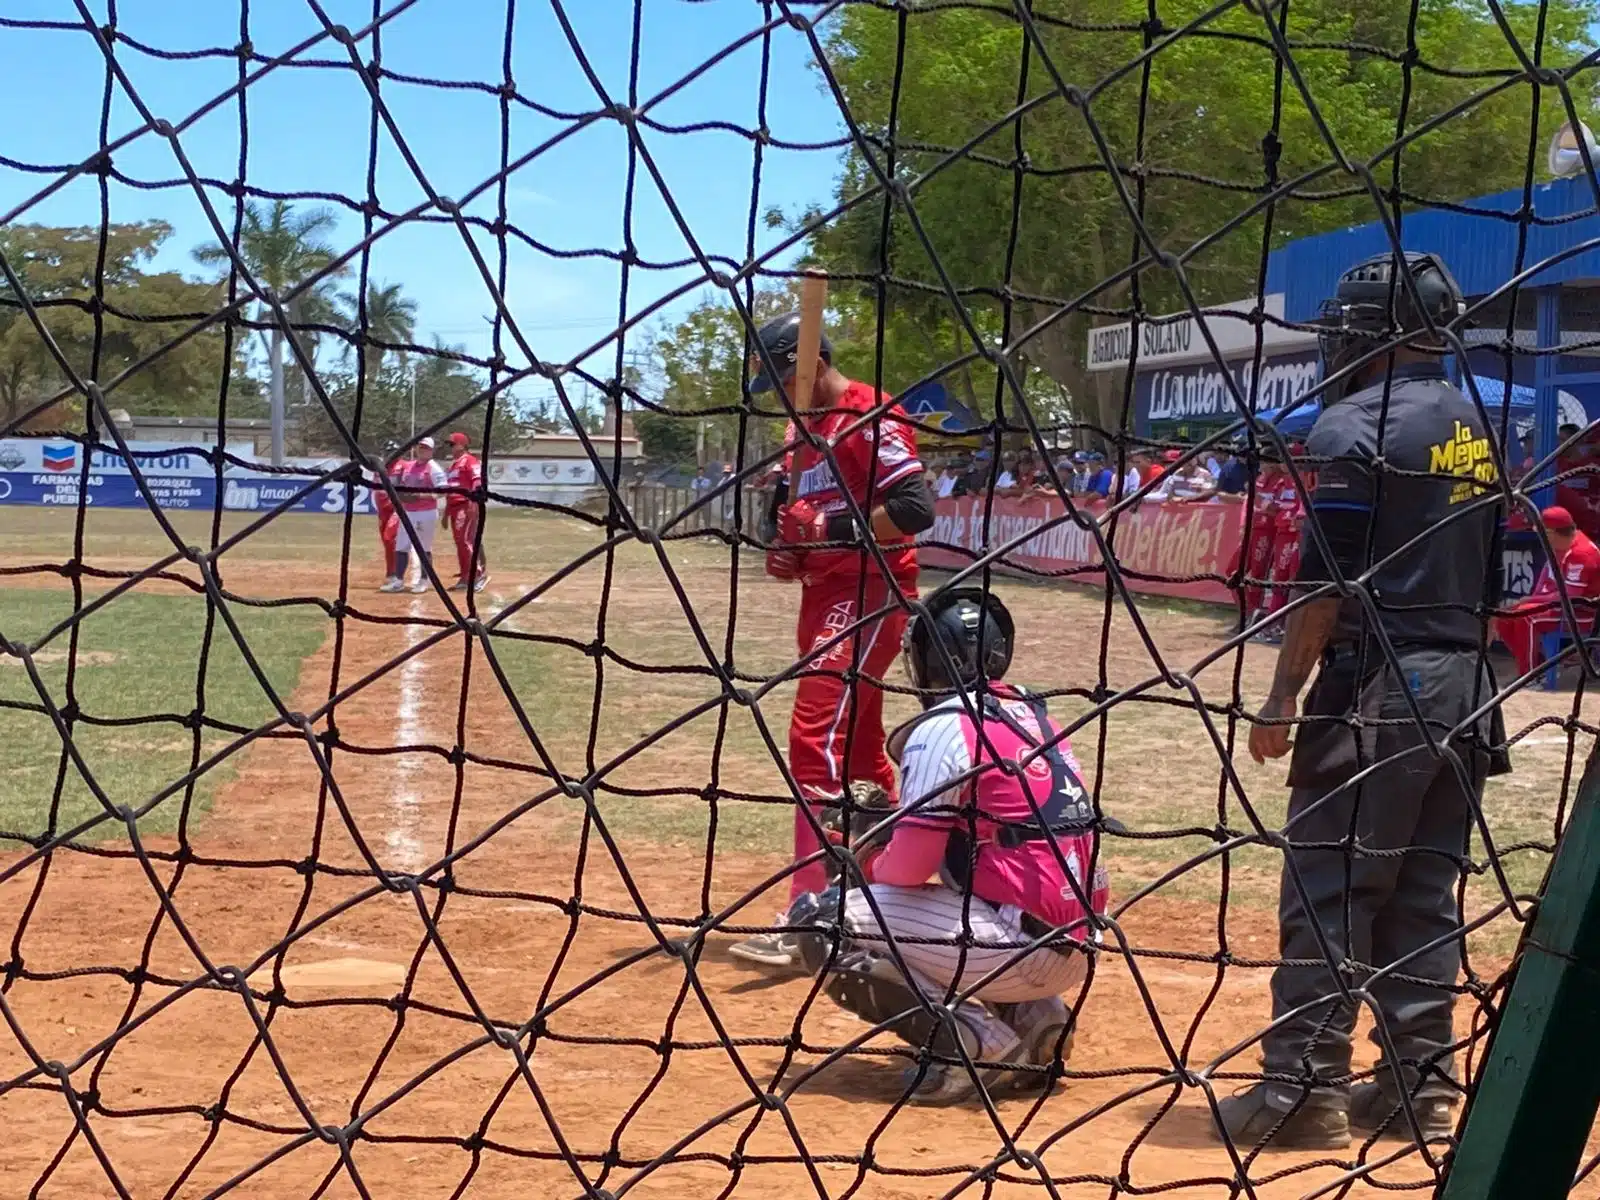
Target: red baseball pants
x=1521, y=633
x=388, y=530
x=1285, y=566
x=836, y=734
x=1258, y=561
x=464, y=528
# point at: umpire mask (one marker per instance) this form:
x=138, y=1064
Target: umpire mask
x=965, y=628
x=1372, y=308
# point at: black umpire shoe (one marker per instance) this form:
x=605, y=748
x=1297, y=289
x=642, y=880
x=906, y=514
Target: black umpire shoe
x=1373, y=1110
x=1262, y=1114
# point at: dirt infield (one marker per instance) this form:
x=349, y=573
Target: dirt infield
x=379, y=1003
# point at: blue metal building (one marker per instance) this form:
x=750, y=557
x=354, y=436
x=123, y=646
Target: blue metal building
x=1486, y=241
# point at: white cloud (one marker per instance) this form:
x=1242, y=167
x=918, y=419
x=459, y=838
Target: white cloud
x=527, y=197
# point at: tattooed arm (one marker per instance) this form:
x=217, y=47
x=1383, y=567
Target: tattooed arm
x=1341, y=510
x=1304, y=639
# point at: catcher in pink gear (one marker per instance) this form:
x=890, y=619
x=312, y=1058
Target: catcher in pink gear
x=836, y=732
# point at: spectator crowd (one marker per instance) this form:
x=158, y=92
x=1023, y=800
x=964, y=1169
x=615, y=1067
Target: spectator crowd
x=1090, y=474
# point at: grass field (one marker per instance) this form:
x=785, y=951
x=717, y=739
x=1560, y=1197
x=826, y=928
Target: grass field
x=137, y=657
x=1158, y=769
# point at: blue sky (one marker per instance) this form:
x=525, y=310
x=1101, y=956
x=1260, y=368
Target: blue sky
x=309, y=129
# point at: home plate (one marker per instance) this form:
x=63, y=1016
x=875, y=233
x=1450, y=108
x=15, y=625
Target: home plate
x=336, y=973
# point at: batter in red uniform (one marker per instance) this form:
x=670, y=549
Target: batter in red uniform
x=1578, y=566
x=836, y=733
x=463, y=511
x=388, y=523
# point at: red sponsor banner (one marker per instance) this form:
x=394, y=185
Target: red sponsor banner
x=1159, y=546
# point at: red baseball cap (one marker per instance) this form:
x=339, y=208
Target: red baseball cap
x=1557, y=518
x=459, y=439
x=1171, y=455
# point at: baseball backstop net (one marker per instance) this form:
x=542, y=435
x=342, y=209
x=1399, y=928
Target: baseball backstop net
x=310, y=891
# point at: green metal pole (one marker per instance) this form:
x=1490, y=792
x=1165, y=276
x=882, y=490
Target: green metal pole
x=1530, y=1114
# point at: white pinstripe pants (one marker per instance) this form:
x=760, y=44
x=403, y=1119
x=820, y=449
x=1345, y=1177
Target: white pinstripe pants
x=934, y=911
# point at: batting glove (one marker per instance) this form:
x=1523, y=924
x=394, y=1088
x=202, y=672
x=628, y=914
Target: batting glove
x=784, y=565
x=803, y=523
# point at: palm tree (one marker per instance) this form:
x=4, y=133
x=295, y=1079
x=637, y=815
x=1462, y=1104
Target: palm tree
x=391, y=319
x=317, y=306
x=282, y=248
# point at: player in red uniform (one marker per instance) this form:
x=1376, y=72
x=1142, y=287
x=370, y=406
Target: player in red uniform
x=1263, y=538
x=463, y=511
x=1578, y=566
x=1580, y=494
x=836, y=732
x=388, y=523
x=1288, y=511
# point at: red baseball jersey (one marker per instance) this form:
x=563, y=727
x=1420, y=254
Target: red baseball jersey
x=868, y=458
x=1580, y=570
x=1290, y=509
x=465, y=472
x=380, y=499
x=1268, y=486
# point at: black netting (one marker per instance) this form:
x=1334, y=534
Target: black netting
x=311, y=891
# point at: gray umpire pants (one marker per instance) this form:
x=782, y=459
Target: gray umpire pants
x=1379, y=867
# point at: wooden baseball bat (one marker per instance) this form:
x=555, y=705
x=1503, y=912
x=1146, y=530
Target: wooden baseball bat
x=813, y=300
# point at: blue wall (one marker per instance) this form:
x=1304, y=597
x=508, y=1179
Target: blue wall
x=1479, y=244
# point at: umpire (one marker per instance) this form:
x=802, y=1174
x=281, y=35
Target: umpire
x=1374, y=865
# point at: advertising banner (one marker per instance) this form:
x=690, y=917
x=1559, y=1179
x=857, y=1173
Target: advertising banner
x=1159, y=546
x=546, y=472
x=40, y=471
x=1196, y=396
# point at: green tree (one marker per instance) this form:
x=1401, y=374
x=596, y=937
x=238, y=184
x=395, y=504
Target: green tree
x=391, y=320
x=1205, y=112
x=314, y=313
x=283, y=248
x=60, y=270
x=432, y=386
x=697, y=365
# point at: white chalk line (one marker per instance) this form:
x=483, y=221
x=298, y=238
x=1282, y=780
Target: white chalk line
x=403, y=840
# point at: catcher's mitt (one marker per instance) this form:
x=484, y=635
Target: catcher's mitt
x=868, y=806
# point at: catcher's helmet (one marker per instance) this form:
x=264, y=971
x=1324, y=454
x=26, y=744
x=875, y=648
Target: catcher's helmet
x=780, y=338
x=969, y=625
x=1371, y=307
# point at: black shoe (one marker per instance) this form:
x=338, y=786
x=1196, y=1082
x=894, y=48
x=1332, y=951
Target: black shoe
x=1258, y=1114
x=1373, y=1110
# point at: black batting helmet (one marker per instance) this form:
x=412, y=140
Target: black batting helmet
x=780, y=338
x=1371, y=308
x=969, y=625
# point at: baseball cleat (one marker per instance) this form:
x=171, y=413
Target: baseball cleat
x=940, y=1083
x=393, y=585
x=771, y=951
x=459, y=585
x=421, y=586
x=481, y=583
